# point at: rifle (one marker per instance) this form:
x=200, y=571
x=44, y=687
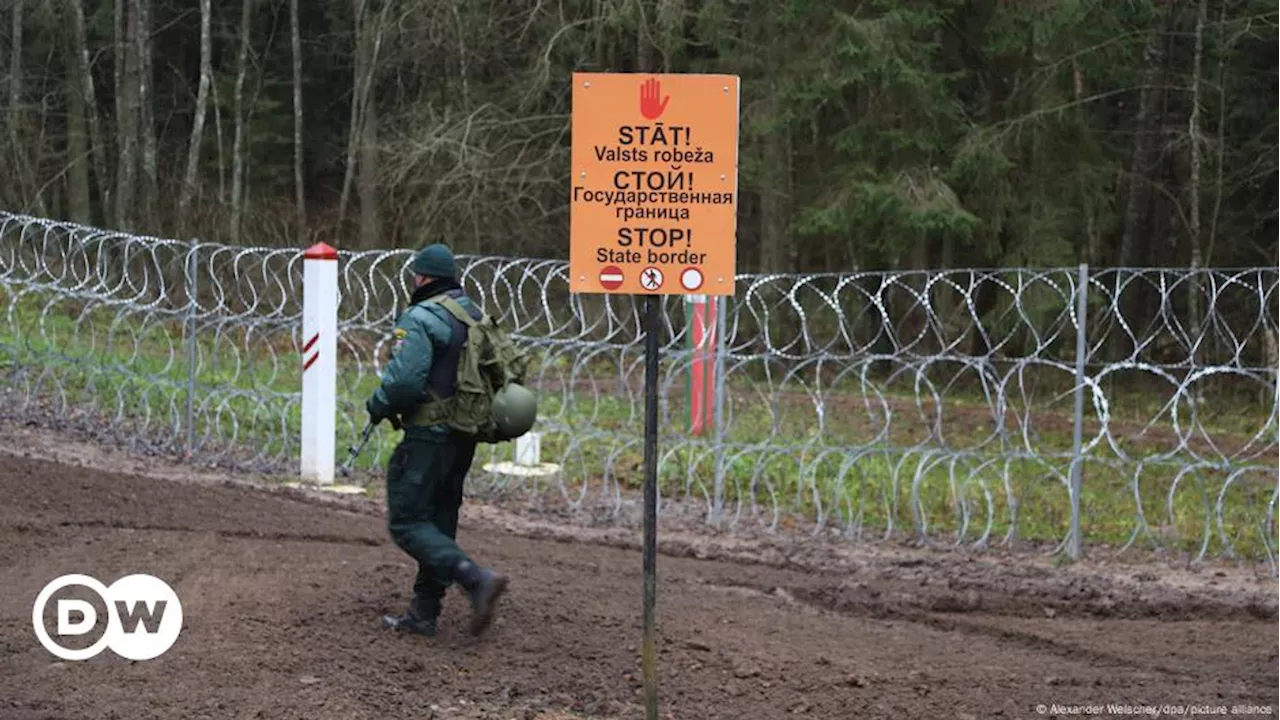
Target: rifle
x=354, y=450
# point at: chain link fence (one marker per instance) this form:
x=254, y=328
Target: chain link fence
x=960, y=406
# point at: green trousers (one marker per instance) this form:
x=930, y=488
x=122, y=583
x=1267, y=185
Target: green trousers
x=424, y=493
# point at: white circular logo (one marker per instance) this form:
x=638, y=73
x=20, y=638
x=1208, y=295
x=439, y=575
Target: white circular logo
x=144, y=617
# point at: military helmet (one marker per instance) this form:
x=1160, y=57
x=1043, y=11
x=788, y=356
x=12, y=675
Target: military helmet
x=514, y=409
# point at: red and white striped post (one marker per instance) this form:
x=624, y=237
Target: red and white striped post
x=700, y=312
x=319, y=363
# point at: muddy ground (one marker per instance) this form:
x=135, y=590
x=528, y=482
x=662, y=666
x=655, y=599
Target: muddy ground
x=282, y=590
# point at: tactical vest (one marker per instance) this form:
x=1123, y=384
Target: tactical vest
x=443, y=376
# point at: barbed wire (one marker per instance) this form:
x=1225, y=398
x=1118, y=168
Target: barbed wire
x=939, y=403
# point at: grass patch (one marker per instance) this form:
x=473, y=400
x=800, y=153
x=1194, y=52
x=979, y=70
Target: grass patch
x=926, y=454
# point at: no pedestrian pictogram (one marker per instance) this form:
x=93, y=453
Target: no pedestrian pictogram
x=651, y=278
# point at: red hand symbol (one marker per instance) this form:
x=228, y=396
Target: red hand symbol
x=650, y=106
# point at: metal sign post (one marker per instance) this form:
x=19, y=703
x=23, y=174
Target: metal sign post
x=653, y=212
x=652, y=326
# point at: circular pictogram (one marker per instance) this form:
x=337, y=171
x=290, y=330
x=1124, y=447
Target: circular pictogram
x=691, y=278
x=611, y=277
x=651, y=278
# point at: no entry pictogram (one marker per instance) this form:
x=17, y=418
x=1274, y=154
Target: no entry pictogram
x=654, y=182
x=611, y=277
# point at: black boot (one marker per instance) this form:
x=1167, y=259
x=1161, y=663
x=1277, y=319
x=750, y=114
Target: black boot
x=484, y=587
x=420, y=617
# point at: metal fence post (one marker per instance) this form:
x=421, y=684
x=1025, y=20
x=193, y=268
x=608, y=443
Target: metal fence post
x=193, y=290
x=1075, y=542
x=722, y=305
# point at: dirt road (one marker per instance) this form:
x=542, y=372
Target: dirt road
x=281, y=598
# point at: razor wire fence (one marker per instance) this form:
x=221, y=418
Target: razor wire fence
x=965, y=406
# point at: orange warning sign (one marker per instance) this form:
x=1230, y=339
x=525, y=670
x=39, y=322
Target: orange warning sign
x=654, y=185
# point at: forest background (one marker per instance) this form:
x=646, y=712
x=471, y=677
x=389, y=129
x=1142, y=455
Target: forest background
x=875, y=134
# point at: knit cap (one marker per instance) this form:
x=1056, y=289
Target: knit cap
x=435, y=261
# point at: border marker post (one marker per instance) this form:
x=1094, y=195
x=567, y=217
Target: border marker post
x=701, y=313
x=319, y=363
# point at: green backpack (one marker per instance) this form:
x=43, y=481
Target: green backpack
x=491, y=402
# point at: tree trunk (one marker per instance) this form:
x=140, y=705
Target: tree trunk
x=1195, y=141
x=1222, y=133
x=221, y=138
x=777, y=251
x=15, y=67
x=146, y=117
x=1089, y=252
x=1144, y=141
x=300, y=198
x=1135, y=239
x=89, y=100
x=670, y=34
x=362, y=148
x=197, y=126
x=127, y=28
x=81, y=208
x=117, y=50
x=27, y=194
x=117, y=95
x=1193, y=130
x=463, y=81
x=357, y=101
x=370, y=217
x=646, y=53
x=602, y=45
x=370, y=228
x=237, y=146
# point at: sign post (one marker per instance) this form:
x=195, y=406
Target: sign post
x=653, y=212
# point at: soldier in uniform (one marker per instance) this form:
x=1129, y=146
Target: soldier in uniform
x=426, y=472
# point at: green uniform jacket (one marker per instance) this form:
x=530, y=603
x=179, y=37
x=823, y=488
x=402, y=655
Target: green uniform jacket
x=423, y=333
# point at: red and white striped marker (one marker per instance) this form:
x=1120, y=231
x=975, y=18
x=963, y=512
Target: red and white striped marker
x=319, y=363
x=309, y=353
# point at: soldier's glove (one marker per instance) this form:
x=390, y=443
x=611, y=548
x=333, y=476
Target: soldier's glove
x=376, y=417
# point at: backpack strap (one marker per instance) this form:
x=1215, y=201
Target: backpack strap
x=455, y=309
x=437, y=409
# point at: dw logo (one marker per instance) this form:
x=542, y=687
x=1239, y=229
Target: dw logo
x=144, y=617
